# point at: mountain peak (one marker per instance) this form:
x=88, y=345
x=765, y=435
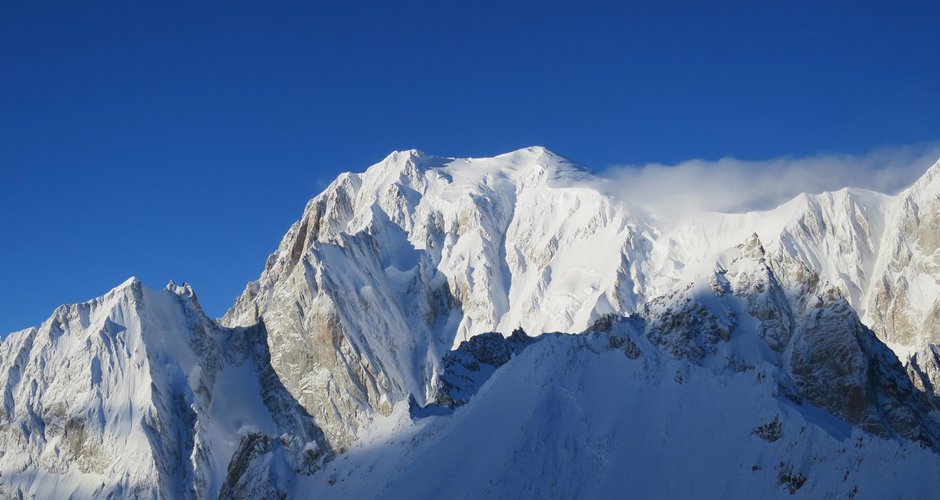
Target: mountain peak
x=409, y=162
x=183, y=290
x=935, y=168
x=406, y=154
x=753, y=247
x=541, y=160
x=531, y=151
x=929, y=181
x=128, y=283
x=538, y=152
x=129, y=287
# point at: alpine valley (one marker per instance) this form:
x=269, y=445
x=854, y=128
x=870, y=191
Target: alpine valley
x=506, y=328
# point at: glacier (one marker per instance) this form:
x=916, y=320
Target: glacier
x=790, y=351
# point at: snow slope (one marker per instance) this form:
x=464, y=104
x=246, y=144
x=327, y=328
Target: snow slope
x=571, y=418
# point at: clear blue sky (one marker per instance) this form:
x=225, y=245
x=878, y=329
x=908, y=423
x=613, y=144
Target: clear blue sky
x=181, y=141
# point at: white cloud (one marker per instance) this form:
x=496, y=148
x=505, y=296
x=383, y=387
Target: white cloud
x=731, y=185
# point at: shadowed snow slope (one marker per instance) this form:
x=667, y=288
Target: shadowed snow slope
x=573, y=418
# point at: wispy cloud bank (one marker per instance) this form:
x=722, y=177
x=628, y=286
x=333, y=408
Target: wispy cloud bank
x=731, y=185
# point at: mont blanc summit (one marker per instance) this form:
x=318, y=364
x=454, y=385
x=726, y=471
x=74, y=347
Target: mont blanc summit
x=506, y=327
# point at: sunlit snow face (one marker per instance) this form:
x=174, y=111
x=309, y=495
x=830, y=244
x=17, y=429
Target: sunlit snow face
x=732, y=185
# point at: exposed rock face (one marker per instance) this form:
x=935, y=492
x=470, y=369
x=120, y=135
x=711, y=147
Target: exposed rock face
x=903, y=300
x=839, y=365
x=138, y=394
x=467, y=367
x=923, y=368
x=904, y=303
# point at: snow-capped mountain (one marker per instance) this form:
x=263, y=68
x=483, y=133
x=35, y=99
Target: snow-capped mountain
x=366, y=337
x=138, y=394
x=392, y=268
x=438, y=250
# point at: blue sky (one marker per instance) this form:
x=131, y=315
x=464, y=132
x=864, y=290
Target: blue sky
x=180, y=141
